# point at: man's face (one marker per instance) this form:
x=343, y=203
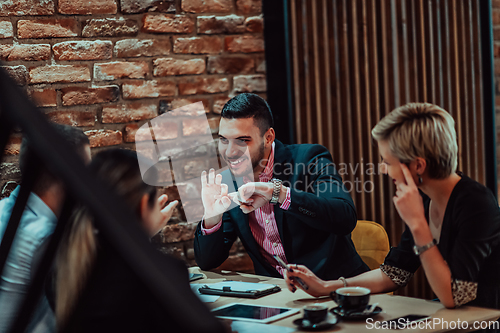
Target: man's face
x=241, y=145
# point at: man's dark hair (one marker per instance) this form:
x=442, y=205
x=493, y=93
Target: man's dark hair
x=249, y=106
x=72, y=135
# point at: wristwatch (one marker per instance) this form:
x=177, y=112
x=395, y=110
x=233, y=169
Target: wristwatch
x=418, y=250
x=276, y=190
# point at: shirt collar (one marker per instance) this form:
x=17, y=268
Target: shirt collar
x=36, y=205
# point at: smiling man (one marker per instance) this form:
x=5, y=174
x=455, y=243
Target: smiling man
x=290, y=200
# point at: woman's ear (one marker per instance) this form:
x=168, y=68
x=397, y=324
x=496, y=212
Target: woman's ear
x=420, y=165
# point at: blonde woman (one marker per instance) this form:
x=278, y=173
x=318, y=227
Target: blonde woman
x=115, y=299
x=452, y=230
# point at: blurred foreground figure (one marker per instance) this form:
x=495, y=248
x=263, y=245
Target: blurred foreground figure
x=37, y=223
x=97, y=285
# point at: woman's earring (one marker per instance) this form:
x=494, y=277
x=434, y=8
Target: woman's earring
x=420, y=180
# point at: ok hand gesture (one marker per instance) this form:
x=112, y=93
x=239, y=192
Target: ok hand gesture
x=214, y=197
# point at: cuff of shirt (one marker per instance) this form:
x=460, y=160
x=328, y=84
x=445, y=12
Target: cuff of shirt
x=206, y=231
x=288, y=200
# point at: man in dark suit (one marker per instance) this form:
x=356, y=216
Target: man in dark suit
x=290, y=200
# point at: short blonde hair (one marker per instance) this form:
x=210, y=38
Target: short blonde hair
x=421, y=130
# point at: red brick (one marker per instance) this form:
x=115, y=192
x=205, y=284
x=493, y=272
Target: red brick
x=141, y=6
x=13, y=145
x=165, y=23
x=87, y=7
x=110, y=27
x=198, y=45
x=171, y=66
x=249, y=6
x=6, y=29
x=184, y=106
x=203, y=86
x=26, y=7
x=230, y=65
x=44, y=97
x=59, y=73
x=244, y=44
x=260, y=63
x=144, y=89
x=497, y=66
x=195, y=126
x=86, y=96
x=180, y=232
x=219, y=104
x=496, y=50
x=120, y=70
x=130, y=131
x=254, y=24
x=214, y=124
x=103, y=137
x=207, y=6
x=73, y=118
x=221, y=24
x=125, y=113
x=83, y=50
x=495, y=16
x=25, y=52
x=496, y=33
x=163, y=130
x=129, y=48
x=249, y=83
x=47, y=28
x=18, y=73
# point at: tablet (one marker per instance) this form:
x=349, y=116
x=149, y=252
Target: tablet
x=255, y=313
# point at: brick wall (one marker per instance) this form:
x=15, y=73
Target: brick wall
x=108, y=66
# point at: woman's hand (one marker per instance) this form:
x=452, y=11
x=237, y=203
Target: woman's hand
x=316, y=286
x=408, y=201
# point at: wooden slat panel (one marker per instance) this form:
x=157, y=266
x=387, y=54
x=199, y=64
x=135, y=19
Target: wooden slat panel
x=353, y=61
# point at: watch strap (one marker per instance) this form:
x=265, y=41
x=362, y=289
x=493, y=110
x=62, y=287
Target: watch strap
x=276, y=190
x=418, y=250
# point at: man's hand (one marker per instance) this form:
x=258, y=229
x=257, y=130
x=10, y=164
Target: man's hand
x=252, y=196
x=214, y=197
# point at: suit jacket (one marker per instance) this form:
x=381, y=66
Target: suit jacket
x=315, y=230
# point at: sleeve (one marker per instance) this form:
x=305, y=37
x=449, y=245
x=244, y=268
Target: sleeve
x=211, y=250
x=318, y=196
x=205, y=231
x=401, y=263
x=476, y=221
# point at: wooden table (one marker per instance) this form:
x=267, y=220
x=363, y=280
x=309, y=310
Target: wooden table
x=393, y=306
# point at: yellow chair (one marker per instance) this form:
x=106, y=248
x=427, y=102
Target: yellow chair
x=371, y=242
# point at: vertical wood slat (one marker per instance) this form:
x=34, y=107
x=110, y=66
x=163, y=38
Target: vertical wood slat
x=353, y=61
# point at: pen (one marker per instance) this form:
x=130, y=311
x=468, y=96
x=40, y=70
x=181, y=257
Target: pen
x=298, y=280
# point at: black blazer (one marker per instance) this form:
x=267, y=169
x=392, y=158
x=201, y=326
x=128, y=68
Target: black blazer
x=315, y=230
x=469, y=242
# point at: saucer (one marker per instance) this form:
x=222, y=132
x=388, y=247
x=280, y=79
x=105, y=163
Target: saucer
x=357, y=314
x=329, y=321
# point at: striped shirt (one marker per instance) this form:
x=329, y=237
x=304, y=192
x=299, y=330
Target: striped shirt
x=263, y=223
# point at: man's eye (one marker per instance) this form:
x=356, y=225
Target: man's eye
x=223, y=140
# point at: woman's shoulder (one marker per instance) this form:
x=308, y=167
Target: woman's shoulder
x=470, y=196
